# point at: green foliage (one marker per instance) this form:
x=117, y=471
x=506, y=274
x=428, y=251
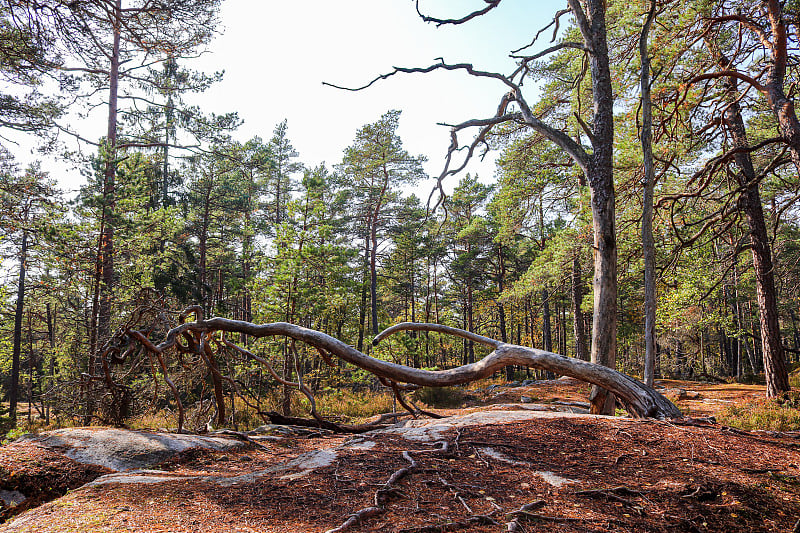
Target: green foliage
x=248, y=231
x=6, y=422
x=13, y=434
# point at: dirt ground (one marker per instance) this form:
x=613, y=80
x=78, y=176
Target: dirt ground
x=574, y=474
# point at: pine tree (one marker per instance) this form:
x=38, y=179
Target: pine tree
x=377, y=164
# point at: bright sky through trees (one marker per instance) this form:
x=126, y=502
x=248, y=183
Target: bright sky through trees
x=277, y=54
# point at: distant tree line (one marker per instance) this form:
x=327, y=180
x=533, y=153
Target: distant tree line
x=176, y=211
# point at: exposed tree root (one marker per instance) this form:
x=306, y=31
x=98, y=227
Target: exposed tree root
x=476, y=520
x=381, y=495
x=615, y=494
x=525, y=510
x=388, y=489
x=355, y=518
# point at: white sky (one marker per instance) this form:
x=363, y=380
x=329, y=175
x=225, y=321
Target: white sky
x=276, y=54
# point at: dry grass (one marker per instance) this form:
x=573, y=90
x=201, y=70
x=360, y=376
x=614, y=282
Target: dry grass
x=342, y=405
x=354, y=406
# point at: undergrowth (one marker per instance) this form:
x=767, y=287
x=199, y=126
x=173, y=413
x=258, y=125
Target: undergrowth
x=339, y=405
x=440, y=397
x=764, y=414
x=354, y=406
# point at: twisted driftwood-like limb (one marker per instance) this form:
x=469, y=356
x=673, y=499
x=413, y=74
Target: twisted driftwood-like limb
x=160, y=356
x=640, y=400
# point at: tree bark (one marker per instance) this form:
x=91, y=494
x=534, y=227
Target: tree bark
x=373, y=258
x=205, y=299
x=51, y=337
x=362, y=313
x=648, y=243
x=547, y=332
x=13, y=392
x=109, y=188
x=600, y=176
x=470, y=320
x=373, y=278
x=775, y=370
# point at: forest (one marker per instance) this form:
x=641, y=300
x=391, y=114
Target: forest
x=643, y=214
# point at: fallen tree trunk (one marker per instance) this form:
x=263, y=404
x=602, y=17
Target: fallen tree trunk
x=639, y=400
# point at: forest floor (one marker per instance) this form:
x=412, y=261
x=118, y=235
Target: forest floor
x=504, y=467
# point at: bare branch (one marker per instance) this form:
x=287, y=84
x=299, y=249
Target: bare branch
x=561, y=139
x=438, y=328
x=713, y=164
x=729, y=74
x=550, y=50
x=59, y=127
x=160, y=356
x=556, y=21
x=580, y=20
x=763, y=37
x=424, y=70
x=584, y=126
x=491, y=4
x=486, y=126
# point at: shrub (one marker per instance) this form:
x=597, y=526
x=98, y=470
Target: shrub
x=440, y=397
x=772, y=415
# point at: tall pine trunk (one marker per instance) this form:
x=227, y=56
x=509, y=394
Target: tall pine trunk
x=13, y=392
x=648, y=243
x=106, y=292
x=599, y=174
x=775, y=370
x=362, y=312
x=373, y=277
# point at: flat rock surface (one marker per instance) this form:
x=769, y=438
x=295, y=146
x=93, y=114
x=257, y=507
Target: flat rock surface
x=122, y=449
x=431, y=429
x=575, y=473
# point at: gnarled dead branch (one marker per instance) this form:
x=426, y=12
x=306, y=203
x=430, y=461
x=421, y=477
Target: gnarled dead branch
x=639, y=400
